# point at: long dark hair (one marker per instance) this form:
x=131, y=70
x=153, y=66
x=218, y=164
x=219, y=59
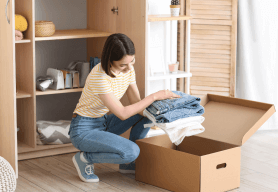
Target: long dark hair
x=115, y=48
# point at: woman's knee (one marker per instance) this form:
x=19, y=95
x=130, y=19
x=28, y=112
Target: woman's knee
x=132, y=152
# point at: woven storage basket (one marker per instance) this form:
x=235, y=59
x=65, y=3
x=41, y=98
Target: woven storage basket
x=7, y=176
x=44, y=28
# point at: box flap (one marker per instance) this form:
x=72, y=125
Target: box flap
x=233, y=120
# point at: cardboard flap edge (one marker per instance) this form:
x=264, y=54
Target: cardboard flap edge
x=240, y=138
x=259, y=123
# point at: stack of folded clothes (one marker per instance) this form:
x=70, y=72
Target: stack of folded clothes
x=179, y=117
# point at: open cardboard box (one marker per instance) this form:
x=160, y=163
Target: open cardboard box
x=209, y=161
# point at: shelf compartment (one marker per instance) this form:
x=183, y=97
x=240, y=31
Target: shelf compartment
x=167, y=17
x=73, y=34
x=21, y=94
x=158, y=76
x=23, y=41
x=51, y=91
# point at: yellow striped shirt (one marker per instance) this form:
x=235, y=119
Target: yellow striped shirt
x=98, y=82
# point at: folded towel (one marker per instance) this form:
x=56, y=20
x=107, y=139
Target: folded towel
x=18, y=35
x=179, y=129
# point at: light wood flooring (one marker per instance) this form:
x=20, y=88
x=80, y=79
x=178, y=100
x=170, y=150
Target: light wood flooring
x=259, y=171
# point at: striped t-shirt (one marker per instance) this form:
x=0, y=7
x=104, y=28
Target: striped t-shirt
x=98, y=82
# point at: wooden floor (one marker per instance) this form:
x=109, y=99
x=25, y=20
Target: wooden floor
x=259, y=171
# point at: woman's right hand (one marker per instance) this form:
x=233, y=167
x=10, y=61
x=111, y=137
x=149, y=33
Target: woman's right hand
x=165, y=94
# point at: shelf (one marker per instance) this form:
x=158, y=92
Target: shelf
x=165, y=17
x=51, y=91
x=27, y=152
x=158, y=76
x=23, y=148
x=73, y=34
x=23, y=41
x=22, y=94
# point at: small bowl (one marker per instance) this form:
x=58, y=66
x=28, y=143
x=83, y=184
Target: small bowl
x=173, y=68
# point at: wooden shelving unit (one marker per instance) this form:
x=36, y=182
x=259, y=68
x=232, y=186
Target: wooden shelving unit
x=180, y=74
x=73, y=34
x=49, y=91
x=19, y=67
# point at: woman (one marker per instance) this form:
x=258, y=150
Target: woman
x=95, y=133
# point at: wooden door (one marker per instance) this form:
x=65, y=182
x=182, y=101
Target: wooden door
x=8, y=136
x=101, y=18
x=132, y=21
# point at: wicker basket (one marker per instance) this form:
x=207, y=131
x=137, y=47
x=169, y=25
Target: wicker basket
x=44, y=28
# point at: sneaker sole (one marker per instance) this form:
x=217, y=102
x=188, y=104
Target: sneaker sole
x=126, y=171
x=79, y=173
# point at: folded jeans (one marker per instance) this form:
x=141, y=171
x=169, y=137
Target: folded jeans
x=185, y=101
x=180, y=113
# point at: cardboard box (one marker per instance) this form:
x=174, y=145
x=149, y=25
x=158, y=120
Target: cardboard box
x=207, y=162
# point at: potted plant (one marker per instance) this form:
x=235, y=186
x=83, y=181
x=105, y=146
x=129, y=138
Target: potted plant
x=175, y=7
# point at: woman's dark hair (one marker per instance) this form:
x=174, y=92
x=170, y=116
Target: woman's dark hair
x=115, y=48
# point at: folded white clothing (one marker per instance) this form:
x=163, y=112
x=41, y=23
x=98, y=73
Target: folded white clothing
x=153, y=133
x=179, y=123
x=180, y=134
x=178, y=129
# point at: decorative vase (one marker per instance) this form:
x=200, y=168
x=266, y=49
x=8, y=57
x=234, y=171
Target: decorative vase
x=175, y=10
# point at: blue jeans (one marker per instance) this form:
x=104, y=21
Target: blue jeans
x=163, y=106
x=99, y=137
x=180, y=113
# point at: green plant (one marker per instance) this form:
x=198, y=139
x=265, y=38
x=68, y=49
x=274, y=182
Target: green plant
x=175, y=2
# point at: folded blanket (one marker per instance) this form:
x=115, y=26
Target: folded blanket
x=185, y=101
x=179, y=129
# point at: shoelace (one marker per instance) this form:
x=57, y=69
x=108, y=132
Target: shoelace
x=89, y=169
